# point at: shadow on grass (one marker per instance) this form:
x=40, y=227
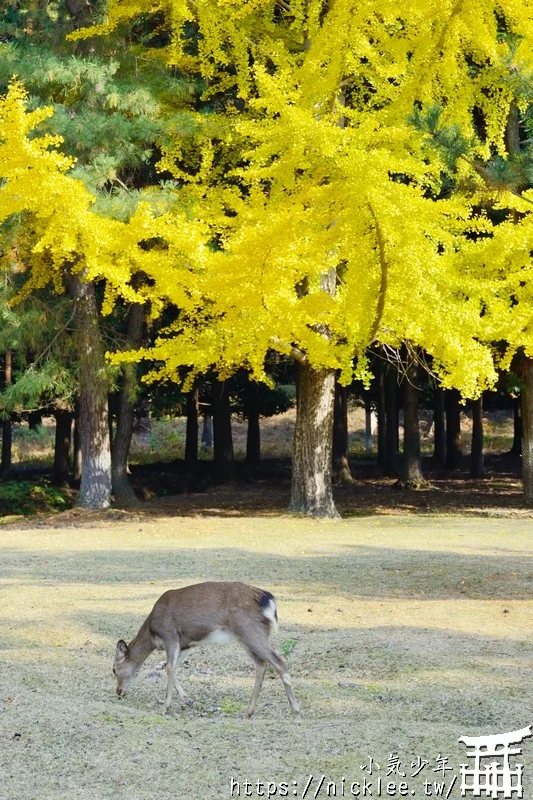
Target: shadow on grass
x=357, y=571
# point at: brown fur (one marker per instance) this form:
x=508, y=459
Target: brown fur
x=183, y=618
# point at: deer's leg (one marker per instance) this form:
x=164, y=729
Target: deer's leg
x=173, y=656
x=260, y=669
x=280, y=665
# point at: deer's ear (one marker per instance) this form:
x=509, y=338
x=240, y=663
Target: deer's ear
x=121, y=652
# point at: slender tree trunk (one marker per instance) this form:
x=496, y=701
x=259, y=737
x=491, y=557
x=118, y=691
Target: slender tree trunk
x=516, y=448
x=95, y=488
x=477, y=469
x=222, y=435
x=76, y=454
x=35, y=420
x=391, y=421
x=527, y=429
x=382, y=417
x=439, y=430
x=453, y=429
x=253, y=434
x=122, y=488
x=411, y=472
x=311, y=490
x=7, y=427
x=207, y=431
x=369, y=443
x=60, y=472
x=191, y=433
x=341, y=465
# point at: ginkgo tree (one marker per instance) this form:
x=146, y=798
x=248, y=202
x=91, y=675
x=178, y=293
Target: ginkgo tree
x=322, y=231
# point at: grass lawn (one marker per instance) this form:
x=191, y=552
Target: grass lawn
x=403, y=634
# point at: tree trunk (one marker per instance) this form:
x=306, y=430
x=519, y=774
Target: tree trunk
x=382, y=418
x=60, y=471
x=122, y=488
x=207, y=431
x=411, y=472
x=35, y=420
x=191, y=433
x=7, y=428
x=477, y=469
x=516, y=448
x=341, y=464
x=95, y=487
x=76, y=454
x=253, y=434
x=439, y=430
x=453, y=429
x=369, y=443
x=311, y=490
x=527, y=429
x=222, y=435
x=391, y=421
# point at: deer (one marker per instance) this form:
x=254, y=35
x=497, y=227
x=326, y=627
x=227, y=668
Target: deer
x=206, y=613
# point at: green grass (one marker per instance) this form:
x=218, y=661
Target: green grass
x=408, y=632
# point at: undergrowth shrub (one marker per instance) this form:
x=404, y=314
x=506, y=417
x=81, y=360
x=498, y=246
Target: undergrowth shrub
x=28, y=497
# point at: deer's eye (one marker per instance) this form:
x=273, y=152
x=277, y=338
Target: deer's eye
x=114, y=672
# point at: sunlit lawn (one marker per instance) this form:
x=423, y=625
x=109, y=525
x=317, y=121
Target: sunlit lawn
x=405, y=634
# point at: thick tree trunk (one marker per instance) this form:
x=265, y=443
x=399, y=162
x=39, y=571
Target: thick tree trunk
x=439, y=430
x=253, y=434
x=516, y=447
x=411, y=471
x=222, y=435
x=341, y=464
x=477, y=469
x=311, y=490
x=391, y=422
x=60, y=472
x=7, y=428
x=527, y=429
x=453, y=429
x=382, y=418
x=121, y=485
x=191, y=433
x=95, y=487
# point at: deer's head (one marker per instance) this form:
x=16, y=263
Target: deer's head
x=124, y=670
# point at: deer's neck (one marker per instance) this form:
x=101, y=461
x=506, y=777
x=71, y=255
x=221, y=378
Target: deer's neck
x=141, y=647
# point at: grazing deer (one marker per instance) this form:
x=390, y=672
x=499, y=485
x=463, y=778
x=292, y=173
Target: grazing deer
x=208, y=613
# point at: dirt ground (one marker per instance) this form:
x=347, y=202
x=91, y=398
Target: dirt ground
x=403, y=633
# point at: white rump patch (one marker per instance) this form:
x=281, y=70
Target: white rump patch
x=270, y=612
x=218, y=636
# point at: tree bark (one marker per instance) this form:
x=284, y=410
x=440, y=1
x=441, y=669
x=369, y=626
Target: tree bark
x=527, y=429
x=253, y=433
x=191, y=432
x=35, y=420
x=391, y=422
x=61, y=468
x=382, y=418
x=439, y=430
x=516, y=447
x=222, y=435
x=411, y=472
x=477, y=468
x=95, y=487
x=121, y=485
x=453, y=429
x=369, y=443
x=76, y=454
x=311, y=490
x=341, y=465
x=7, y=427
